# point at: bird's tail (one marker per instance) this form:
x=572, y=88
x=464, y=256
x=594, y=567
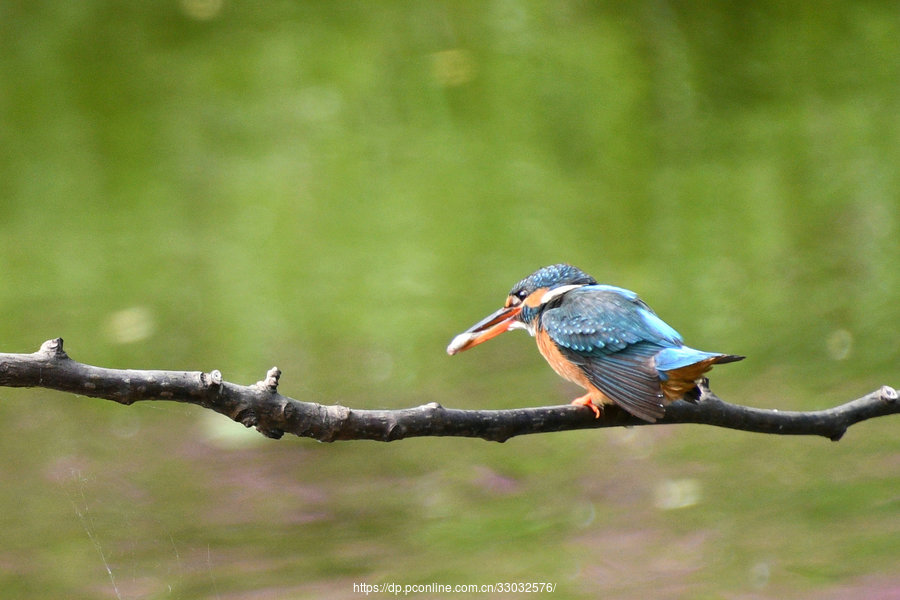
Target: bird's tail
x=680, y=368
x=727, y=358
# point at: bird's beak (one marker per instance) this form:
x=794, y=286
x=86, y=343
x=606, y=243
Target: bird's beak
x=489, y=327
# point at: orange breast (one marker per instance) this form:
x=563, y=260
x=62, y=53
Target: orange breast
x=560, y=364
x=565, y=369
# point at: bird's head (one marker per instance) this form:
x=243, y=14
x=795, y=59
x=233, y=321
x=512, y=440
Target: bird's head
x=523, y=305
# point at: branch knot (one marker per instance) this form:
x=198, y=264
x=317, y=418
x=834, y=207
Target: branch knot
x=270, y=383
x=211, y=380
x=53, y=348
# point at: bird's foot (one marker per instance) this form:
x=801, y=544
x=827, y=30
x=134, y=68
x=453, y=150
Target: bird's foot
x=587, y=401
x=702, y=390
x=697, y=393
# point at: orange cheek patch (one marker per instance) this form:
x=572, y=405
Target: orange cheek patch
x=534, y=298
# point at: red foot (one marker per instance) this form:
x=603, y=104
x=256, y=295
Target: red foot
x=587, y=401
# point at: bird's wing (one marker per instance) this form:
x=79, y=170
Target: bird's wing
x=612, y=336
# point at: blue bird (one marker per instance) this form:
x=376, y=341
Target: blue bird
x=601, y=337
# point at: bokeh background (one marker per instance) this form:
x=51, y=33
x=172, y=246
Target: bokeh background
x=338, y=188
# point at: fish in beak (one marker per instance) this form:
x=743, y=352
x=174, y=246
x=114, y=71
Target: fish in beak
x=485, y=329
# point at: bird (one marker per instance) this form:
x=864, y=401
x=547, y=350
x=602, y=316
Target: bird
x=601, y=337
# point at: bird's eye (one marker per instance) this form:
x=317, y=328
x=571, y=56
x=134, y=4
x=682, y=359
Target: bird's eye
x=515, y=298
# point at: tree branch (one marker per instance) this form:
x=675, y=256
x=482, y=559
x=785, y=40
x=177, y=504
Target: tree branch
x=261, y=406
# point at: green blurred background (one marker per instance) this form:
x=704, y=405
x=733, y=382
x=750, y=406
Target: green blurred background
x=339, y=188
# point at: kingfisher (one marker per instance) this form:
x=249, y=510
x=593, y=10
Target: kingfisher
x=603, y=338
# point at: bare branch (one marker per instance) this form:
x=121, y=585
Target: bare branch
x=261, y=406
